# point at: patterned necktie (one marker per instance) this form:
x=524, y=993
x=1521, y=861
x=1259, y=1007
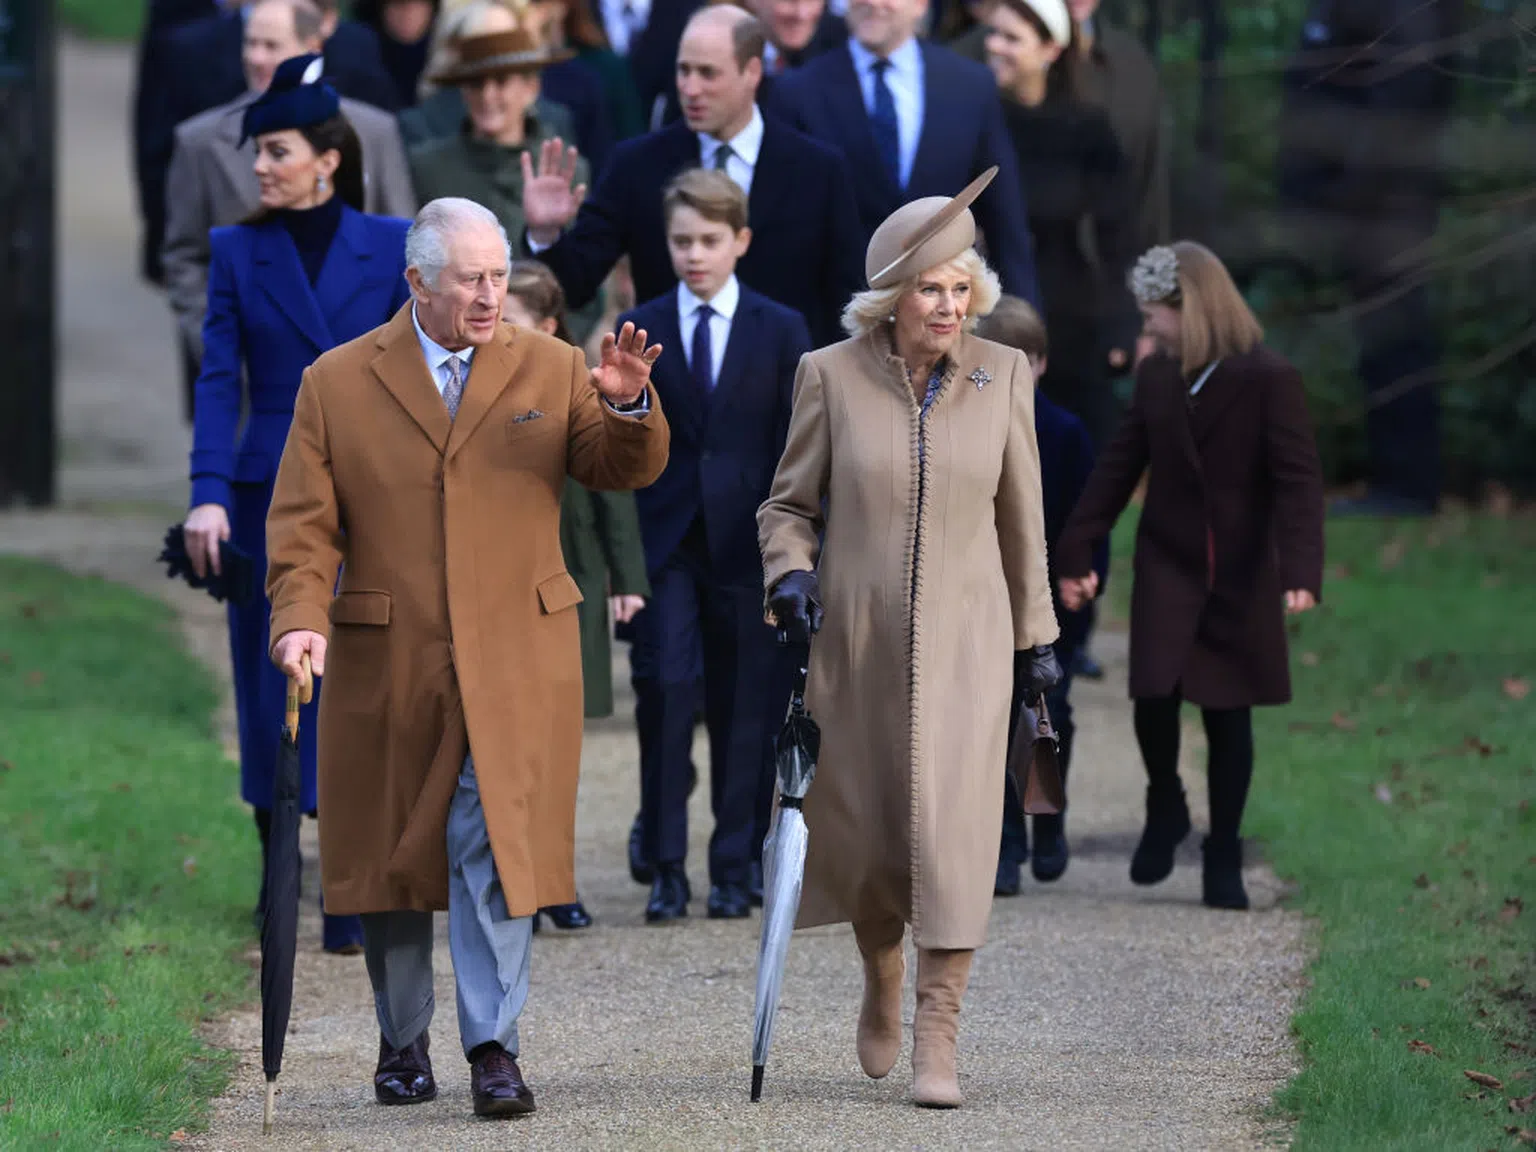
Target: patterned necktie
x=722, y=154
x=882, y=122
x=453, y=391
x=702, y=363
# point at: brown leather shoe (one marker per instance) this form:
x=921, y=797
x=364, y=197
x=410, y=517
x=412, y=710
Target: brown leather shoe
x=496, y=1083
x=404, y=1075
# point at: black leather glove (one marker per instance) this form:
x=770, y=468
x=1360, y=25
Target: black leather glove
x=796, y=604
x=1041, y=671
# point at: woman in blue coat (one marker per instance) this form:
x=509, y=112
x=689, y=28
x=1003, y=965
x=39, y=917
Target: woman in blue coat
x=308, y=272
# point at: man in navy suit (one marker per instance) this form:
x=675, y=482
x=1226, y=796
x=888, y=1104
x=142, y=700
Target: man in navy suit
x=808, y=252
x=726, y=381
x=912, y=120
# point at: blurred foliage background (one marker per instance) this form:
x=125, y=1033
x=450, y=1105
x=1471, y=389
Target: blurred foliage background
x=1222, y=66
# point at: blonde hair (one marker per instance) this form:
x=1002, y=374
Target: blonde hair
x=1214, y=319
x=869, y=309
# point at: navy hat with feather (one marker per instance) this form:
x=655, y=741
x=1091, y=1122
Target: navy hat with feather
x=296, y=98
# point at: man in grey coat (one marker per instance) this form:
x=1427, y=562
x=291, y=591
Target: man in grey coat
x=212, y=179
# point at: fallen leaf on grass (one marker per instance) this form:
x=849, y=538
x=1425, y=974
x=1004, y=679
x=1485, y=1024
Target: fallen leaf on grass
x=1383, y=793
x=121, y=786
x=1343, y=723
x=1421, y=983
x=1420, y=1046
x=1492, y=580
x=1513, y=906
x=1421, y=880
x=1522, y=1103
x=189, y=865
x=1483, y=1078
x=35, y=677
x=1516, y=687
x=1392, y=553
x=1524, y=1134
x=1457, y=848
x=1310, y=659
x=179, y=1136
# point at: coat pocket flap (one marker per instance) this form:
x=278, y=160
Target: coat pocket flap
x=558, y=592
x=361, y=608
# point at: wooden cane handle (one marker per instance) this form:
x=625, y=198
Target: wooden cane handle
x=307, y=688
x=300, y=692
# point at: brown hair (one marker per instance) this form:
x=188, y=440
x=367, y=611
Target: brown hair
x=581, y=27
x=537, y=290
x=710, y=193
x=1064, y=77
x=1015, y=322
x=748, y=35
x=334, y=133
x=1214, y=319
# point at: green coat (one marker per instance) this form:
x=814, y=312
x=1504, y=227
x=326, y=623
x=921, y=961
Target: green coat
x=600, y=537
x=459, y=164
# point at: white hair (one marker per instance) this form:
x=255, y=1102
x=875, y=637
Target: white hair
x=873, y=307
x=426, y=243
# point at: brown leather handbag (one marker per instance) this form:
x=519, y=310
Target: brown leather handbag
x=1033, y=762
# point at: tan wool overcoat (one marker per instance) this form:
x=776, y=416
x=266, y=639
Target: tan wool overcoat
x=931, y=577
x=454, y=624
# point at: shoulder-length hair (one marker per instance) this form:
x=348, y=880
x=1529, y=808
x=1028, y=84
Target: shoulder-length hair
x=869, y=309
x=1214, y=319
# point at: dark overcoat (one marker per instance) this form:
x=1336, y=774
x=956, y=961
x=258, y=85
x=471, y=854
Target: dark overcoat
x=1233, y=519
x=600, y=539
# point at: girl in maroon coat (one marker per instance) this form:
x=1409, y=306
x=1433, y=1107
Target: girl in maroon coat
x=1230, y=540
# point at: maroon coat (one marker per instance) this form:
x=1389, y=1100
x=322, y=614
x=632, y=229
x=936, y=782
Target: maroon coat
x=1233, y=519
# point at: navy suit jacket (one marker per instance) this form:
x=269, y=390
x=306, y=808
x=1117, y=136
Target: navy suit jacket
x=726, y=446
x=267, y=323
x=1066, y=461
x=963, y=135
x=806, y=252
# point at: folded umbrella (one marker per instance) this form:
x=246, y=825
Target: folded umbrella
x=796, y=749
x=280, y=920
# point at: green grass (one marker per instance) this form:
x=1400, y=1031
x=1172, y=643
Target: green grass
x=1395, y=792
x=127, y=870
x=103, y=19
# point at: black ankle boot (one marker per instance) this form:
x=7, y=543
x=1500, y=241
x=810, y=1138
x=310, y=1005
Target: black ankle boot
x=1222, y=876
x=1050, y=858
x=1167, y=825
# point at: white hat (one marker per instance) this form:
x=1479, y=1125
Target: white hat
x=1052, y=13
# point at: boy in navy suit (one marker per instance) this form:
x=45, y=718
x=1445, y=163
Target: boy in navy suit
x=1066, y=459
x=726, y=381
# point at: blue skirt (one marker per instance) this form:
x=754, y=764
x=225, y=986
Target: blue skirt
x=261, y=690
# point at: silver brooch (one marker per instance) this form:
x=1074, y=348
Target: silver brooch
x=981, y=378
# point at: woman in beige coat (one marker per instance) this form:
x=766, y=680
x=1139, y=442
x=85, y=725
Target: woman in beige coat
x=912, y=448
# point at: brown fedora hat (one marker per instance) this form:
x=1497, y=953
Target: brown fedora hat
x=497, y=54
x=923, y=234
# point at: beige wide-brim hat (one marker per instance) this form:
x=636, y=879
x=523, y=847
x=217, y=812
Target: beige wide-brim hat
x=923, y=234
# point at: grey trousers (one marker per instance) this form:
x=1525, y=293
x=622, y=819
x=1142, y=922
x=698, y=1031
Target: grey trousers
x=491, y=950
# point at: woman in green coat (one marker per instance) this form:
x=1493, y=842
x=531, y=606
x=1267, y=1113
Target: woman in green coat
x=599, y=534
x=498, y=75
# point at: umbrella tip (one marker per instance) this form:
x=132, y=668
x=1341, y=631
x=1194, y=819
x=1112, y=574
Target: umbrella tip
x=757, y=1083
x=269, y=1109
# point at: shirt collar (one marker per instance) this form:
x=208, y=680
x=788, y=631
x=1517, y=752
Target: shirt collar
x=906, y=60
x=434, y=352
x=746, y=144
x=724, y=303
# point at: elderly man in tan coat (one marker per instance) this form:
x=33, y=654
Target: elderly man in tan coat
x=425, y=464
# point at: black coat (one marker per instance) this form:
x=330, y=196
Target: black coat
x=807, y=249
x=1233, y=519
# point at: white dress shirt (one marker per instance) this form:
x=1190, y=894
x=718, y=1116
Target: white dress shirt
x=623, y=28
x=724, y=306
x=437, y=357
x=745, y=146
x=905, y=80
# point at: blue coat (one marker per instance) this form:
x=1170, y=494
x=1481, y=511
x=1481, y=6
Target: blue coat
x=724, y=449
x=806, y=252
x=962, y=136
x=1066, y=461
x=265, y=324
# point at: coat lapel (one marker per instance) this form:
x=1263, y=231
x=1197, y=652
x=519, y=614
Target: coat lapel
x=938, y=108
x=681, y=402
x=738, y=347
x=845, y=95
x=401, y=368
x=282, y=277
x=1220, y=389
x=490, y=373
x=347, y=267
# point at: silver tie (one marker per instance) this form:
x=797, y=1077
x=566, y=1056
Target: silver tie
x=453, y=391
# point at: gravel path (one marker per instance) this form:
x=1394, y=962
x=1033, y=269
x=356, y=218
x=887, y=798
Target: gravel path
x=1099, y=1016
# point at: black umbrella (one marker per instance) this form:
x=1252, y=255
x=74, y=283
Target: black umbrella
x=280, y=919
x=798, y=745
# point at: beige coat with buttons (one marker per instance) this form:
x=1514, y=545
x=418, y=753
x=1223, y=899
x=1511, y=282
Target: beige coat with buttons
x=931, y=577
x=454, y=626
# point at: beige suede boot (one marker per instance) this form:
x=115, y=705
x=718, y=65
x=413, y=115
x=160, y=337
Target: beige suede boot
x=941, y=980
x=885, y=971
